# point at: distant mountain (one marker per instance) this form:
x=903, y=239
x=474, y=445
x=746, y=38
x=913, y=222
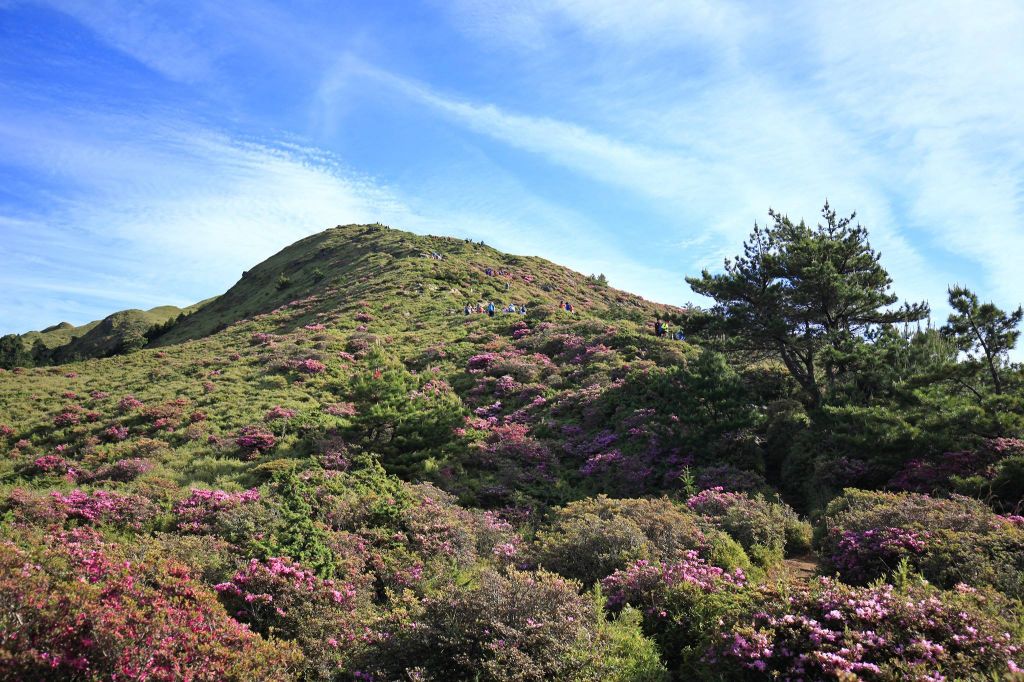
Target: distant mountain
x=101, y=338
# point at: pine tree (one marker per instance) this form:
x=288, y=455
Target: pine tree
x=812, y=297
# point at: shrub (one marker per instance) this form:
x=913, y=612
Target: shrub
x=514, y=626
x=129, y=403
x=590, y=539
x=82, y=508
x=254, y=440
x=123, y=470
x=280, y=598
x=683, y=603
x=311, y=366
x=764, y=529
x=949, y=540
x=201, y=510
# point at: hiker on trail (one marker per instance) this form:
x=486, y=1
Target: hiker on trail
x=466, y=310
x=489, y=272
x=479, y=309
x=490, y=309
x=659, y=328
x=522, y=309
x=568, y=306
x=680, y=336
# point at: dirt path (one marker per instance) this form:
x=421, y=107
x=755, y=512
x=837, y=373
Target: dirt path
x=801, y=569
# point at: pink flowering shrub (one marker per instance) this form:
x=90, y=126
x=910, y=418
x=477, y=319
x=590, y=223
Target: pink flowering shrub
x=83, y=612
x=315, y=327
x=278, y=413
x=481, y=361
x=200, y=511
x=50, y=464
x=99, y=395
x=341, y=409
x=683, y=603
x=81, y=507
x=882, y=632
x=6, y=430
x=861, y=556
x=645, y=584
x=129, y=403
x=254, y=440
x=363, y=317
x=509, y=626
x=115, y=433
x=310, y=366
x=64, y=419
x=123, y=470
x=101, y=506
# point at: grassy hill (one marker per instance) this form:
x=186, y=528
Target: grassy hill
x=350, y=264
x=332, y=472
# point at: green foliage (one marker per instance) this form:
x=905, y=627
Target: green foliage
x=298, y=535
x=283, y=282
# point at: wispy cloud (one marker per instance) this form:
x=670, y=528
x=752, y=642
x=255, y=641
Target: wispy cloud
x=638, y=138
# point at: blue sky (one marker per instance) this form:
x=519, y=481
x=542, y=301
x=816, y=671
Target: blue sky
x=151, y=151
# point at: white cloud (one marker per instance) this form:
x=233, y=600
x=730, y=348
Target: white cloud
x=650, y=26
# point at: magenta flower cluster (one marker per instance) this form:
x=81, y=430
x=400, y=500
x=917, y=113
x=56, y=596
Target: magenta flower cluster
x=198, y=512
x=862, y=555
x=645, y=584
x=254, y=439
x=129, y=403
x=310, y=366
x=102, y=506
x=278, y=413
x=833, y=630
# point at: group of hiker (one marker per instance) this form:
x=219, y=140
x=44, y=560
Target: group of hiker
x=566, y=306
x=491, y=309
x=661, y=330
x=434, y=255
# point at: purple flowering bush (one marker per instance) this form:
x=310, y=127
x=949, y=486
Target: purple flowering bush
x=881, y=632
x=864, y=535
x=682, y=603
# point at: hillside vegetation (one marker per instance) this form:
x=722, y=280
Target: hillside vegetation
x=332, y=471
